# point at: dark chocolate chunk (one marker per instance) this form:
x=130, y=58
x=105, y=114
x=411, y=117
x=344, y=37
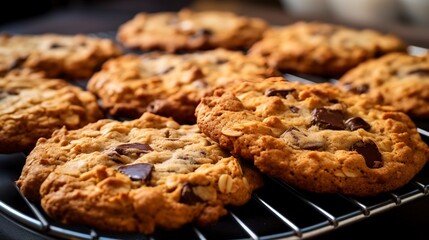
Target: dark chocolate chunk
x=355, y=123
x=204, y=32
x=187, y=196
x=334, y=100
x=357, y=89
x=300, y=140
x=221, y=61
x=370, y=152
x=128, y=148
x=294, y=109
x=138, y=171
x=113, y=155
x=56, y=45
x=16, y=63
x=419, y=72
x=9, y=92
x=278, y=92
x=5, y=93
x=328, y=118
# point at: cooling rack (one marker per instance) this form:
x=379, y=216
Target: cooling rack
x=276, y=211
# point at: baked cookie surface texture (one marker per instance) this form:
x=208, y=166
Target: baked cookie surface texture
x=135, y=176
x=191, y=30
x=168, y=84
x=323, y=49
x=315, y=137
x=34, y=108
x=399, y=80
x=54, y=55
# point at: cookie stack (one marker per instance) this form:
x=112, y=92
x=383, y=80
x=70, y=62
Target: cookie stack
x=191, y=123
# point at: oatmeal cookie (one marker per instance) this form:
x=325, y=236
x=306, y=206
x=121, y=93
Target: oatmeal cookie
x=189, y=30
x=54, y=55
x=135, y=176
x=170, y=85
x=398, y=79
x=315, y=137
x=323, y=49
x=30, y=109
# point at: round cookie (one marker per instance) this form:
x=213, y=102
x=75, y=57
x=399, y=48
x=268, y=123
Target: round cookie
x=54, y=55
x=322, y=49
x=397, y=79
x=315, y=137
x=189, y=30
x=135, y=176
x=168, y=84
x=34, y=108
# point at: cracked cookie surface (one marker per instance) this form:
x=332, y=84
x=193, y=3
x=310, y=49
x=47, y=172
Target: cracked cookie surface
x=34, y=108
x=168, y=84
x=191, y=30
x=54, y=55
x=399, y=80
x=315, y=137
x=135, y=175
x=323, y=49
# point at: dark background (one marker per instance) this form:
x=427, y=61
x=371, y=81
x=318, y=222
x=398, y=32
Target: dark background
x=86, y=16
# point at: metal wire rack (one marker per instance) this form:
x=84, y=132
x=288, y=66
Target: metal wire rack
x=265, y=216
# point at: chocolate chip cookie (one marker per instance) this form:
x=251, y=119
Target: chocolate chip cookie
x=189, y=30
x=315, y=137
x=135, y=176
x=170, y=85
x=54, y=55
x=400, y=80
x=323, y=49
x=34, y=108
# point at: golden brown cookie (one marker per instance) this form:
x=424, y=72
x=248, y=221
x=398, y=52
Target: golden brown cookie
x=135, y=176
x=170, y=85
x=34, y=108
x=190, y=30
x=398, y=79
x=323, y=49
x=54, y=55
x=315, y=137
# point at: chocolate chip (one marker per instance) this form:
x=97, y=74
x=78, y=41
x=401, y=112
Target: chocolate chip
x=138, y=171
x=9, y=92
x=55, y=45
x=328, y=118
x=301, y=140
x=357, y=89
x=204, y=32
x=419, y=72
x=370, y=152
x=278, y=92
x=221, y=61
x=113, y=155
x=294, y=109
x=128, y=148
x=187, y=196
x=334, y=100
x=355, y=123
x=5, y=93
x=18, y=62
